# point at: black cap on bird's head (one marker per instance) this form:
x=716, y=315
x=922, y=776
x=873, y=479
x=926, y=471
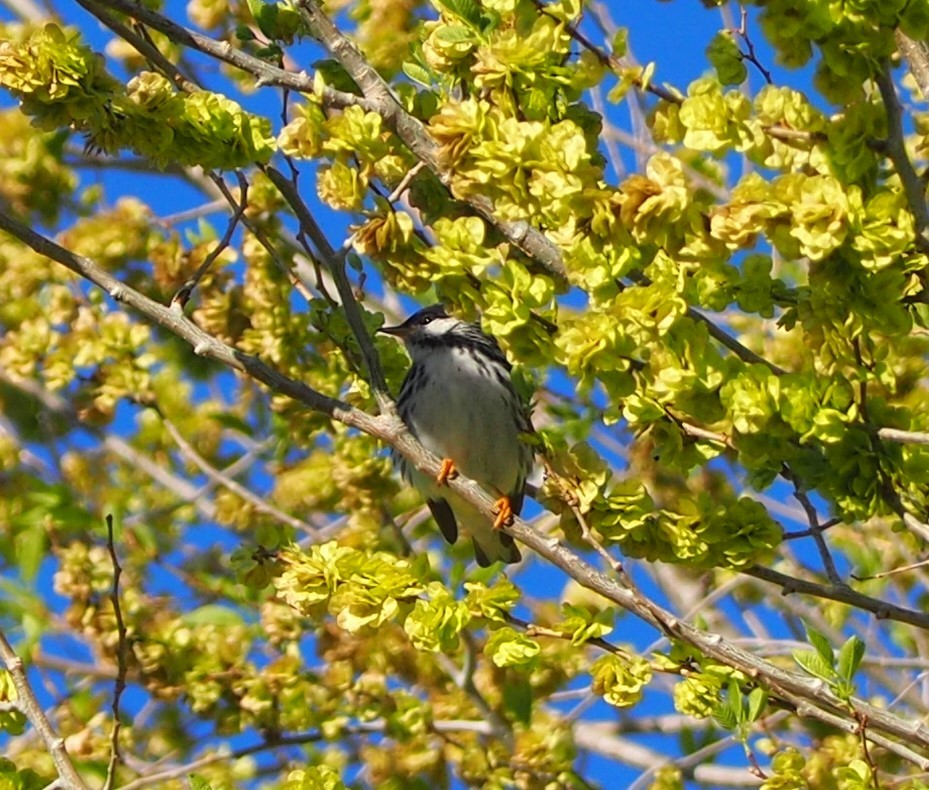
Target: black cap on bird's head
x=418, y=325
x=419, y=319
x=432, y=329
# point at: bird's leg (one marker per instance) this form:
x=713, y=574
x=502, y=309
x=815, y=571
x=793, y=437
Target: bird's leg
x=447, y=472
x=504, y=511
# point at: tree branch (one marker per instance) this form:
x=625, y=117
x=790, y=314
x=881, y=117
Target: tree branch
x=882, y=610
x=26, y=702
x=335, y=265
x=122, y=654
x=913, y=188
x=225, y=480
x=916, y=54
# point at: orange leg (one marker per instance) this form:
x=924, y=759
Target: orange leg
x=447, y=472
x=504, y=511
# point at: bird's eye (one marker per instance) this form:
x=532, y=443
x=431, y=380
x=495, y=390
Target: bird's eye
x=428, y=319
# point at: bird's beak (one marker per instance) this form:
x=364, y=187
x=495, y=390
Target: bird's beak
x=401, y=330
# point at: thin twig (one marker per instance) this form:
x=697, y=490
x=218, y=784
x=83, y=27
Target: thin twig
x=184, y=293
x=122, y=654
x=815, y=530
x=886, y=574
x=742, y=352
x=335, y=265
x=750, y=55
x=143, y=46
x=608, y=59
x=261, y=505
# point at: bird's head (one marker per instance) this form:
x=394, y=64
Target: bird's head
x=425, y=329
x=432, y=329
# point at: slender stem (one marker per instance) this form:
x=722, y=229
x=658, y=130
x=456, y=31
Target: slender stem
x=883, y=610
x=225, y=480
x=122, y=656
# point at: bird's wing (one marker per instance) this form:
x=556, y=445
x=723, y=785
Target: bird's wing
x=445, y=518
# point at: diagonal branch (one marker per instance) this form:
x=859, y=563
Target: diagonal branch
x=335, y=264
x=221, y=478
x=68, y=777
x=882, y=610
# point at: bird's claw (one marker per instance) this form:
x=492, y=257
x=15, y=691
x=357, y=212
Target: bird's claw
x=447, y=472
x=504, y=511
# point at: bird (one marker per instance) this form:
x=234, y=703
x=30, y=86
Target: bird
x=458, y=399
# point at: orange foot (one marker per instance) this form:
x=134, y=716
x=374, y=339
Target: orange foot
x=447, y=472
x=504, y=511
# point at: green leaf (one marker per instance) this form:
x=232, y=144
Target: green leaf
x=815, y=665
x=757, y=701
x=725, y=716
x=735, y=700
x=850, y=656
x=822, y=645
x=233, y=421
x=244, y=33
x=454, y=34
x=724, y=55
x=197, y=782
x=466, y=10
x=31, y=546
x=418, y=73
x=335, y=76
x=265, y=16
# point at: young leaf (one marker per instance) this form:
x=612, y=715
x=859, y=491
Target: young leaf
x=821, y=644
x=815, y=665
x=850, y=655
x=757, y=701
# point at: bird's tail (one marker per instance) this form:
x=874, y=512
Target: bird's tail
x=490, y=545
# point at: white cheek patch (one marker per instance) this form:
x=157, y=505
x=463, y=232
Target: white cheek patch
x=440, y=326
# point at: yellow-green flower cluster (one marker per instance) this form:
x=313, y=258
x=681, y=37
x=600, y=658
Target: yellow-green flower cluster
x=620, y=680
x=530, y=170
x=517, y=57
x=33, y=180
x=64, y=85
x=853, y=38
x=362, y=592
x=358, y=149
x=704, y=532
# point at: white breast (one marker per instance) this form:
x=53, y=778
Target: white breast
x=464, y=414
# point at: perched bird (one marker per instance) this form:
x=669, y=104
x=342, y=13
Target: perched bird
x=458, y=400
